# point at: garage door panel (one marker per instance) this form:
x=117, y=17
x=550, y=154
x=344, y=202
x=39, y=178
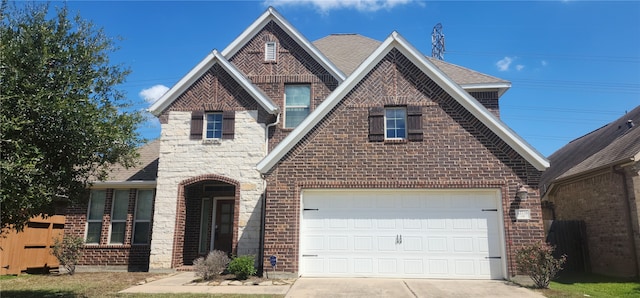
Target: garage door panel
x=401, y=234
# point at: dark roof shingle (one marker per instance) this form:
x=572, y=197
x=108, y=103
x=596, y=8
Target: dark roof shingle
x=348, y=51
x=146, y=169
x=607, y=145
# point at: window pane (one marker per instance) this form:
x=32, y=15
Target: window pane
x=97, y=204
x=214, y=126
x=117, y=232
x=396, y=123
x=295, y=116
x=298, y=95
x=141, y=231
x=93, y=232
x=120, y=205
x=144, y=204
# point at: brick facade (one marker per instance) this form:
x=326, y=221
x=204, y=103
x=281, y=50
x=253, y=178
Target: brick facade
x=457, y=151
x=126, y=255
x=605, y=201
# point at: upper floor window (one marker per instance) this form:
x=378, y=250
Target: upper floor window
x=270, y=51
x=297, y=104
x=94, y=216
x=214, y=126
x=395, y=123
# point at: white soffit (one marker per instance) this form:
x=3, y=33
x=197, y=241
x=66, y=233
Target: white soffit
x=458, y=93
x=213, y=58
x=272, y=15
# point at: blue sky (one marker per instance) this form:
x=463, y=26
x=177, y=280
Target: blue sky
x=574, y=65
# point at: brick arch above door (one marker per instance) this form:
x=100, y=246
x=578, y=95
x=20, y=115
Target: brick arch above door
x=179, y=233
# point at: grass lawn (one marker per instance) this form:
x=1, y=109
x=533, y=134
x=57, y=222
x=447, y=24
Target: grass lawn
x=102, y=284
x=591, y=285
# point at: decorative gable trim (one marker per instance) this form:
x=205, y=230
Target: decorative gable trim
x=272, y=15
x=446, y=83
x=212, y=59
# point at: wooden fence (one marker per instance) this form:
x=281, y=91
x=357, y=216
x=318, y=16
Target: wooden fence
x=31, y=248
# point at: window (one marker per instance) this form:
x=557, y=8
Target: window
x=119, y=210
x=94, y=216
x=297, y=102
x=395, y=123
x=214, y=126
x=270, y=51
x=142, y=219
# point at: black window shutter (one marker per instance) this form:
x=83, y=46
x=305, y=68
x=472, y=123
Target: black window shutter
x=196, y=125
x=414, y=123
x=228, y=124
x=376, y=124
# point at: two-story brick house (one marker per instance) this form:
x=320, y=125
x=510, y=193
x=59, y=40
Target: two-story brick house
x=343, y=157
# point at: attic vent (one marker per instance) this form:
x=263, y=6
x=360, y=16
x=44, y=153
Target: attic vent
x=270, y=51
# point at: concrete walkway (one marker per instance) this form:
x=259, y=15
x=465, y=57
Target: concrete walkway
x=410, y=288
x=346, y=287
x=182, y=283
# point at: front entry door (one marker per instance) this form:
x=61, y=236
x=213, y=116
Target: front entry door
x=223, y=236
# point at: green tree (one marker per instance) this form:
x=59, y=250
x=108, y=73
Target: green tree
x=63, y=121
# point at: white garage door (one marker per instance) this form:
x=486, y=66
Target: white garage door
x=401, y=233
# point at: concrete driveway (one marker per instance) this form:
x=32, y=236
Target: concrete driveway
x=411, y=288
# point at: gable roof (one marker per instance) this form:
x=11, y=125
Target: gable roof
x=445, y=82
x=347, y=51
x=212, y=59
x=272, y=15
x=611, y=144
x=144, y=172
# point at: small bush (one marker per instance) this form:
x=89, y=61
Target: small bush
x=537, y=261
x=242, y=267
x=211, y=266
x=68, y=250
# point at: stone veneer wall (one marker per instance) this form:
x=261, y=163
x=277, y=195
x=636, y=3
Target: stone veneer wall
x=182, y=159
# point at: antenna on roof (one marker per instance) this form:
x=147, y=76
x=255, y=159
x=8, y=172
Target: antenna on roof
x=437, y=42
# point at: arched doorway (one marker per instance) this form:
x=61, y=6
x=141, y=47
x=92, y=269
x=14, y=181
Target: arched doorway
x=207, y=218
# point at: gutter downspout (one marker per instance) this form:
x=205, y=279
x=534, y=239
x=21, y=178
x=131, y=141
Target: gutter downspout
x=264, y=195
x=634, y=234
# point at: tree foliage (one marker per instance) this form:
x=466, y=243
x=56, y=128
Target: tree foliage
x=63, y=121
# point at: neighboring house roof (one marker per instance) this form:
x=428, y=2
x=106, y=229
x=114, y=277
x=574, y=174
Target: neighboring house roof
x=272, y=15
x=144, y=172
x=609, y=145
x=348, y=51
x=444, y=81
x=212, y=59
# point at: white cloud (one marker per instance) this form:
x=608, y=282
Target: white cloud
x=503, y=65
x=152, y=94
x=519, y=67
x=327, y=5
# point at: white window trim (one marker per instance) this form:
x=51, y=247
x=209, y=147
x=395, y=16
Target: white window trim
x=113, y=204
x=86, y=229
x=270, y=51
x=405, y=123
x=204, y=128
x=284, y=115
x=135, y=216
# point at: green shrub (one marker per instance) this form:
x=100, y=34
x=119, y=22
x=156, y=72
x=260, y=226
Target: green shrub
x=537, y=261
x=68, y=250
x=211, y=266
x=242, y=267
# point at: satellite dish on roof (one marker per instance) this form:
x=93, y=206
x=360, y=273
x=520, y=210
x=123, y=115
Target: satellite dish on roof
x=437, y=42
